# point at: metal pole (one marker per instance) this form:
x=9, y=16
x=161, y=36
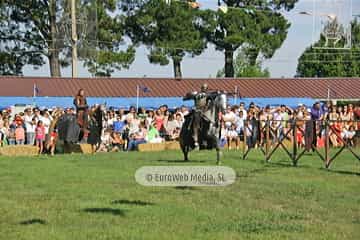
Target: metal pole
x=137, y=97
x=74, y=39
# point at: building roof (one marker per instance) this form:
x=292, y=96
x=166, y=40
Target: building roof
x=339, y=88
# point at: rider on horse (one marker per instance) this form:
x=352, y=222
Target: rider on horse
x=82, y=111
x=201, y=101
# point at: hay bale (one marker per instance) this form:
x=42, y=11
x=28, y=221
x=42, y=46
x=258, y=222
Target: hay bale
x=77, y=148
x=19, y=150
x=151, y=147
x=172, y=145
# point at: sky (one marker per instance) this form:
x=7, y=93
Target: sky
x=303, y=32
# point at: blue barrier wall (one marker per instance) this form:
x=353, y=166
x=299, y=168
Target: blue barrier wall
x=147, y=102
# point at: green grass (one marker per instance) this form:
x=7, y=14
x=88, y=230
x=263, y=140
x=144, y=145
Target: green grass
x=96, y=197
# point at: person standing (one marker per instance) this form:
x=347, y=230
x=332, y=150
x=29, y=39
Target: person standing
x=81, y=105
x=40, y=136
x=317, y=114
x=29, y=126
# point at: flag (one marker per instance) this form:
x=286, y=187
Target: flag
x=144, y=89
x=36, y=90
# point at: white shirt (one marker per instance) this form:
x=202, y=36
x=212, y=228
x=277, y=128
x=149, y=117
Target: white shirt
x=28, y=122
x=46, y=121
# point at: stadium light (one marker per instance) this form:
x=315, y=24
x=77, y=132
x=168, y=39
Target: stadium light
x=330, y=16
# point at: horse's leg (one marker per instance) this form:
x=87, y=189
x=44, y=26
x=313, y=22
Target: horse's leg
x=218, y=152
x=185, y=150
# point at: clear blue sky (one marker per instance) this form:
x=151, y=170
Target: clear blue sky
x=302, y=33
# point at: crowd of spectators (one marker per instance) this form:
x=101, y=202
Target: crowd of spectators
x=125, y=129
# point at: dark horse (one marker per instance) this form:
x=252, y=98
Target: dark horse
x=69, y=130
x=95, y=126
x=209, y=129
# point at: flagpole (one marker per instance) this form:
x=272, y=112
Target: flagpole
x=34, y=94
x=137, y=98
x=235, y=98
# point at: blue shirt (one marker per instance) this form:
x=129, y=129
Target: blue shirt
x=118, y=126
x=316, y=113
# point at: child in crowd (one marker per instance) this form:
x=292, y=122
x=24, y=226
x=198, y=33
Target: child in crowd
x=40, y=136
x=232, y=135
x=52, y=143
x=20, y=134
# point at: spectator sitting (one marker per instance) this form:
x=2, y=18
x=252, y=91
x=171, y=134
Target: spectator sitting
x=118, y=125
x=106, y=141
x=229, y=117
x=153, y=135
x=232, y=135
x=142, y=114
x=179, y=119
x=137, y=138
x=348, y=135
x=117, y=142
x=171, y=126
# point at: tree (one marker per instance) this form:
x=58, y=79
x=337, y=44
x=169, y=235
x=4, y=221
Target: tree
x=168, y=30
x=255, y=25
x=39, y=26
x=244, y=68
x=331, y=62
x=13, y=56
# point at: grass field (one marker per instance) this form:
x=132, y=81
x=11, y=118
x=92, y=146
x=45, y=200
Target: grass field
x=96, y=197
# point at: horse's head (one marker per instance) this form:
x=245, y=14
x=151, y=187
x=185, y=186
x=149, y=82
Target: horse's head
x=221, y=102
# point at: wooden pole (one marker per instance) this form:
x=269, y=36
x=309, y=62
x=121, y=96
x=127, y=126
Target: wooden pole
x=74, y=39
x=267, y=139
x=327, y=142
x=244, y=144
x=294, y=155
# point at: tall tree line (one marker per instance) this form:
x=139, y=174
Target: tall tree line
x=110, y=30
x=329, y=58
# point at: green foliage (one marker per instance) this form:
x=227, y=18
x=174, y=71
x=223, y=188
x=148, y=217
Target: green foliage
x=243, y=67
x=43, y=28
x=169, y=31
x=13, y=56
x=320, y=62
x=254, y=24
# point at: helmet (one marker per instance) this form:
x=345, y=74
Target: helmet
x=204, y=87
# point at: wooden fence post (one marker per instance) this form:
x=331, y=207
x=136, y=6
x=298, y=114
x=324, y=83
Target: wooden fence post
x=245, y=139
x=267, y=139
x=327, y=137
x=294, y=155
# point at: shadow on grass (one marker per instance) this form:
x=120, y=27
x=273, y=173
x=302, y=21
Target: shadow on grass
x=33, y=221
x=341, y=172
x=181, y=161
x=286, y=164
x=184, y=188
x=112, y=211
x=134, y=202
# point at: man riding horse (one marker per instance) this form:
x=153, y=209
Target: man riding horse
x=200, y=99
x=201, y=129
x=82, y=113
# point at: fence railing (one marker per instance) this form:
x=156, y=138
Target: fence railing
x=302, y=136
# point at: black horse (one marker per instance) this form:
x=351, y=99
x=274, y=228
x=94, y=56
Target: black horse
x=70, y=131
x=209, y=129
